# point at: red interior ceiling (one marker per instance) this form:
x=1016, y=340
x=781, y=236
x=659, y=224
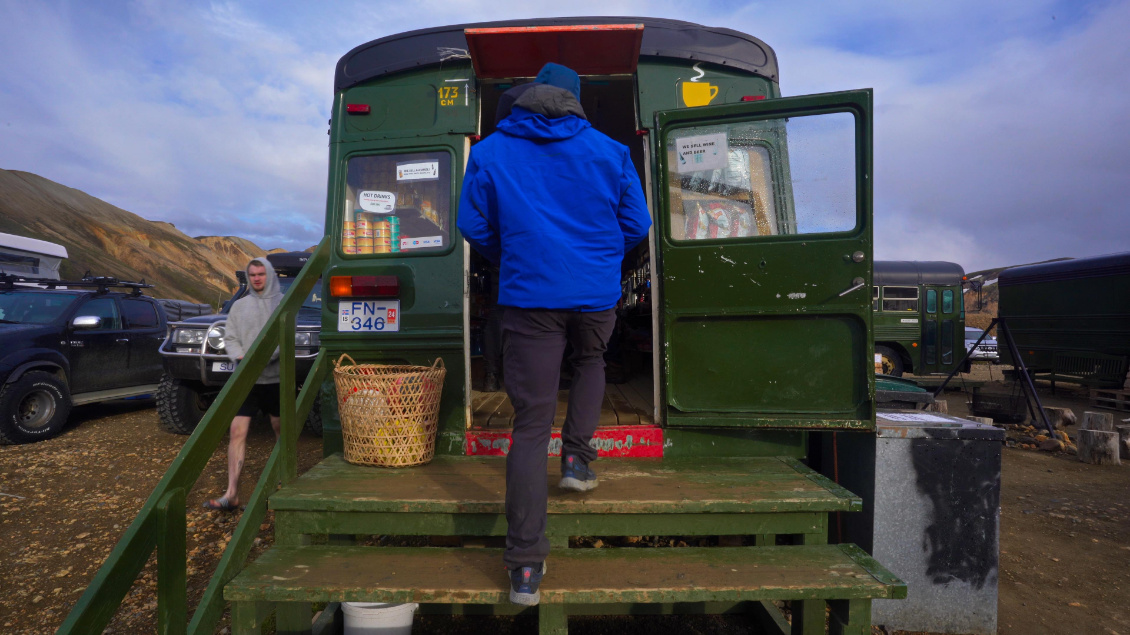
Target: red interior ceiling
x=596, y=49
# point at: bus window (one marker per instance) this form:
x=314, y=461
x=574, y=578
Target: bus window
x=930, y=341
x=947, y=301
x=874, y=298
x=931, y=301
x=947, y=339
x=733, y=202
x=397, y=203
x=900, y=299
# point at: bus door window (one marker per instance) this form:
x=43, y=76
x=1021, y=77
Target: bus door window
x=931, y=301
x=947, y=301
x=947, y=340
x=930, y=341
x=900, y=299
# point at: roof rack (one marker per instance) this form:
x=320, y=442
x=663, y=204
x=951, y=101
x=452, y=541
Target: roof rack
x=102, y=283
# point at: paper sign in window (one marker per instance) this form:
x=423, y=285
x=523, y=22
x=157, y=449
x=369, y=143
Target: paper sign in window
x=377, y=202
x=426, y=171
x=703, y=152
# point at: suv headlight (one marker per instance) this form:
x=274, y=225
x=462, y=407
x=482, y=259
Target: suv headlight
x=306, y=339
x=188, y=336
x=216, y=338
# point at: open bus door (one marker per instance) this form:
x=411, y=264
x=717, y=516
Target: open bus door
x=765, y=245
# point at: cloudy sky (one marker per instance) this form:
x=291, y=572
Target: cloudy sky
x=1002, y=128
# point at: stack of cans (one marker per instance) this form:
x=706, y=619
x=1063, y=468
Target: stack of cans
x=381, y=237
x=365, y=232
x=349, y=232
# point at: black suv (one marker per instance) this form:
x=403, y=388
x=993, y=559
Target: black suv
x=78, y=344
x=196, y=367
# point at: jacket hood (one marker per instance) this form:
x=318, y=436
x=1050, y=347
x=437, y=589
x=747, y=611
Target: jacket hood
x=545, y=113
x=271, y=289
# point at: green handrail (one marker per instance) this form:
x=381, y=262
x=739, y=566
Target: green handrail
x=160, y=519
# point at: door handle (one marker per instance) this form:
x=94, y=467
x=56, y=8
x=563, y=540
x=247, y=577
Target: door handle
x=857, y=283
x=122, y=340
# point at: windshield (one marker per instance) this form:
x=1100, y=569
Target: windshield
x=31, y=307
x=312, y=301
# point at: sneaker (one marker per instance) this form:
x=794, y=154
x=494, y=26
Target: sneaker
x=576, y=475
x=524, y=583
x=490, y=383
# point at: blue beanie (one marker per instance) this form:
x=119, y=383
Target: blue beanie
x=561, y=77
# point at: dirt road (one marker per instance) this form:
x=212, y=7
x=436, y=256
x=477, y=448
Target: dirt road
x=1065, y=530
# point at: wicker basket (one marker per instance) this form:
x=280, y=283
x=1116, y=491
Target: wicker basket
x=388, y=413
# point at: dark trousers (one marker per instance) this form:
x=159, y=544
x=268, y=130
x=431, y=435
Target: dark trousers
x=533, y=343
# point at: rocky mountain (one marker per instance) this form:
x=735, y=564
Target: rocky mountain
x=107, y=240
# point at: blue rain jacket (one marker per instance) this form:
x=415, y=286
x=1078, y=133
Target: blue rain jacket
x=556, y=204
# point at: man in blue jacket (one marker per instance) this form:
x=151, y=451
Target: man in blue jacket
x=556, y=204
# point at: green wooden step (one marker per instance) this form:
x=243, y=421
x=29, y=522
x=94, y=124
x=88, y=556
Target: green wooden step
x=575, y=576
x=476, y=485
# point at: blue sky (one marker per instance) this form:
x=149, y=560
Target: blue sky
x=1001, y=137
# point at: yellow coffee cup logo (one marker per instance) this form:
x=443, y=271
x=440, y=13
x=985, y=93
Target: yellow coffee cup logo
x=698, y=93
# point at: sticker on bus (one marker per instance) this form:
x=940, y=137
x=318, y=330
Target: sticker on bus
x=426, y=171
x=421, y=243
x=380, y=316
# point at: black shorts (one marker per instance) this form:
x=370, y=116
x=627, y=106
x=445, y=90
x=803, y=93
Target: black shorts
x=263, y=397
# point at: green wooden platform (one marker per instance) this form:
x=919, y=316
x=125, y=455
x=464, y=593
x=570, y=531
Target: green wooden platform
x=576, y=577
x=465, y=497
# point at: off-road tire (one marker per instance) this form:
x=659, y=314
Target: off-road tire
x=314, y=419
x=33, y=408
x=892, y=361
x=180, y=405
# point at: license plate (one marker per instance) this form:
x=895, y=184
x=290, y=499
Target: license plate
x=223, y=367
x=369, y=316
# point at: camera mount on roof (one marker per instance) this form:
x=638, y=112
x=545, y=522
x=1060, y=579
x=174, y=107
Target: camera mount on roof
x=102, y=283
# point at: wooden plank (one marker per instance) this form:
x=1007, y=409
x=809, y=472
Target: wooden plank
x=297, y=523
x=503, y=415
x=477, y=485
x=626, y=414
x=588, y=576
x=484, y=408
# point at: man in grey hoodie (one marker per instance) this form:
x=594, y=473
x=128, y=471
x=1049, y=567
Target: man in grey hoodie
x=246, y=319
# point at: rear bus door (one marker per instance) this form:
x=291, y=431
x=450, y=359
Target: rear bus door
x=766, y=262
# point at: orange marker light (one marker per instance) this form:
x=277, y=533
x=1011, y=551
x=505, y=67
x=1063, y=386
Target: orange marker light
x=914, y=344
x=341, y=286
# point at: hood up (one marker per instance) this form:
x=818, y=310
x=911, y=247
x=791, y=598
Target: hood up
x=271, y=289
x=545, y=113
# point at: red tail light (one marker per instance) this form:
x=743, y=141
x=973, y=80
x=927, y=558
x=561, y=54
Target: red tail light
x=357, y=109
x=753, y=97
x=364, y=287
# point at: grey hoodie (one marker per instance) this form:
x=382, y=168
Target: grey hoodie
x=247, y=318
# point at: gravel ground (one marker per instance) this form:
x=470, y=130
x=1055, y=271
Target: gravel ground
x=64, y=503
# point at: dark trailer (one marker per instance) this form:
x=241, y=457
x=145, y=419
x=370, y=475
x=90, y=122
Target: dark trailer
x=919, y=316
x=1071, y=318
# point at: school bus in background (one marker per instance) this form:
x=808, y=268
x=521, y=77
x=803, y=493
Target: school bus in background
x=919, y=315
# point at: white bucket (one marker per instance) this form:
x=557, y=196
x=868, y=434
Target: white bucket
x=375, y=618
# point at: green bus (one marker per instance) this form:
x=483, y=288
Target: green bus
x=919, y=316
x=765, y=249
x=1070, y=319
x=745, y=327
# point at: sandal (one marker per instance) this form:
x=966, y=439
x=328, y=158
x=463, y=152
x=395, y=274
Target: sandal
x=221, y=504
